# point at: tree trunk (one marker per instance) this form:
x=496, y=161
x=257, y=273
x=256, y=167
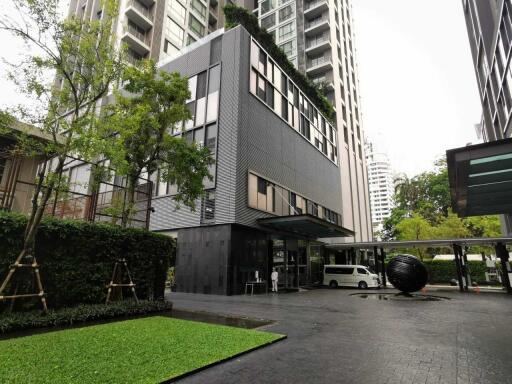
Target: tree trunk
x=129, y=201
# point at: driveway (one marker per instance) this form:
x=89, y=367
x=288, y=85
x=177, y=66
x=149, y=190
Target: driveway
x=335, y=337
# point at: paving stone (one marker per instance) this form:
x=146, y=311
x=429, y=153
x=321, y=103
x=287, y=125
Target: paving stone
x=334, y=337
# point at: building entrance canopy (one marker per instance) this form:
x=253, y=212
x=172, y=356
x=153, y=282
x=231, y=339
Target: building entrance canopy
x=307, y=226
x=481, y=178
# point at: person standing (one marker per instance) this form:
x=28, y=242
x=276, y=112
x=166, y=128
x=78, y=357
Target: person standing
x=274, y=277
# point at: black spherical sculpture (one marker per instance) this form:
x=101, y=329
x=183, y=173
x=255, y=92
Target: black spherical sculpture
x=407, y=273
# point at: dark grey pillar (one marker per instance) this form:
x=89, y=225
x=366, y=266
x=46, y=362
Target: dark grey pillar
x=383, y=265
x=457, y=251
x=502, y=253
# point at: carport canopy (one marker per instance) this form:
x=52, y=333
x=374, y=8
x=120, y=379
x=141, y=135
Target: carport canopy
x=307, y=226
x=480, y=178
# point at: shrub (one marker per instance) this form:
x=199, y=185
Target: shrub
x=79, y=314
x=241, y=16
x=77, y=258
x=442, y=271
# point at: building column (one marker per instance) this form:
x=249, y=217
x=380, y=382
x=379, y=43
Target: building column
x=502, y=253
x=457, y=253
x=383, y=266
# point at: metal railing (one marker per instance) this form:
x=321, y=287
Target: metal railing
x=317, y=41
x=143, y=37
x=312, y=4
x=318, y=61
x=142, y=9
x=317, y=21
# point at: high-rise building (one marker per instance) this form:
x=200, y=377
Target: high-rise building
x=318, y=38
x=381, y=186
x=157, y=28
x=489, y=24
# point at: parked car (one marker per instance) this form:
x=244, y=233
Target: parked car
x=350, y=276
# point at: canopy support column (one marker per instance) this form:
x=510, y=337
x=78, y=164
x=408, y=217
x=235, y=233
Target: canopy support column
x=383, y=265
x=502, y=253
x=457, y=253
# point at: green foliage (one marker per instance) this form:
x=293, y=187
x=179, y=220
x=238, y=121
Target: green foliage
x=148, y=350
x=442, y=271
x=80, y=314
x=77, y=258
x=241, y=16
x=138, y=140
x=427, y=196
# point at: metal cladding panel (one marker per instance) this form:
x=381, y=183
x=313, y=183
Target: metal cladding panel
x=167, y=216
x=270, y=147
x=228, y=128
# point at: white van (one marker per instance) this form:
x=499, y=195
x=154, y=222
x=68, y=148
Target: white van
x=350, y=276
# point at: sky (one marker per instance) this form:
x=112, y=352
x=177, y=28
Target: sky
x=419, y=95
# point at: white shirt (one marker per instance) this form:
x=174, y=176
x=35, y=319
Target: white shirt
x=273, y=276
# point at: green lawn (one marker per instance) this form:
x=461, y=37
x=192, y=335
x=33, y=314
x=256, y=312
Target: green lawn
x=147, y=350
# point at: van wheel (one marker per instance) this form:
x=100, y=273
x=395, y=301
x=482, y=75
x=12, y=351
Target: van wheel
x=362, y=285
x=333, y=284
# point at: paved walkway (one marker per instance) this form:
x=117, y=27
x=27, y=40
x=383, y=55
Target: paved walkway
x=334, y=337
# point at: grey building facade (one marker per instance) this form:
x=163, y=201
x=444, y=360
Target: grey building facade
x=319, y=39
x=277, y=186
x=489, y=25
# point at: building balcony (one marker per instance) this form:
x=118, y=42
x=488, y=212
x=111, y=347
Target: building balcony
x=315, y=8
x=147, y=3
x=319, y=65
x=317, y=25
x=137, y=41
x=212, y=17
x=316, y=46
x=139, y=14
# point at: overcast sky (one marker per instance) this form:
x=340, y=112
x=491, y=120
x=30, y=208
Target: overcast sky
x=418, y=89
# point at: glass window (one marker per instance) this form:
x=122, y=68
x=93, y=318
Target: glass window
x=268, y=21
x=362, y=271
x=192, y=86
x=288, y=48
x=196, y=26
x=199, y=136
x=285, y=13
x=286, y=31
x=213, y=106
x=170, y=49
x=192, y=109
x=200, y=111
x=254, y=81
x=253, y=192
x=175, y=32
x=267, y=5
x=177, y=11
x=199, y=7
x=190, y=40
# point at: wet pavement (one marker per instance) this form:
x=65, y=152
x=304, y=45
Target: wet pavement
x=335, y=336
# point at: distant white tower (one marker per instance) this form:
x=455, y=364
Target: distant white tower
x=381, y=185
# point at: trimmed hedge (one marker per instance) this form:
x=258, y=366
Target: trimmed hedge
x=77, y=258
x=236, y=15
x=80, y=314
x=442, y=271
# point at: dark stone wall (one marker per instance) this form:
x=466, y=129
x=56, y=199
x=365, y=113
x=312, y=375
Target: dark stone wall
x=249, y=252
x=202, y=260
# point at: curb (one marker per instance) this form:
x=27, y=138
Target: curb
x=204, y=367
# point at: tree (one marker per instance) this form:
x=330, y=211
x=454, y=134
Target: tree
x=137, y=129
x=451, y=227
x=414, y=228
x=483, y=226
x=83, y=57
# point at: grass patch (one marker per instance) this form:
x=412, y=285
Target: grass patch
x=148, y=350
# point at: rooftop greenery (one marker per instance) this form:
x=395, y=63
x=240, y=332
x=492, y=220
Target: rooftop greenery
x=236, y=15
